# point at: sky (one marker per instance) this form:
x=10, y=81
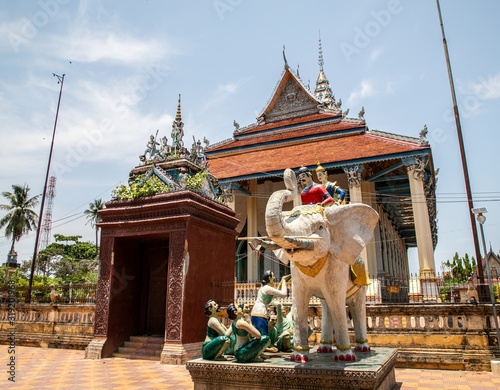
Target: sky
x=126, y=62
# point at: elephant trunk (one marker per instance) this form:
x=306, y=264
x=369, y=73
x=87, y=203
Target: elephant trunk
x=275, y=223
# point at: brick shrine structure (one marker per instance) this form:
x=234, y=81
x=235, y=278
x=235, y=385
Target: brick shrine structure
x=164, y=256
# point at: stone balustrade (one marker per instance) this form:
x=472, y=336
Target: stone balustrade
x=46, y=325
x=453, y=336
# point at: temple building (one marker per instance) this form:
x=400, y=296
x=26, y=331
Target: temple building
x=299, y=127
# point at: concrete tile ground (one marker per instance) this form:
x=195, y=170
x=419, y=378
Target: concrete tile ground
x=41, y=368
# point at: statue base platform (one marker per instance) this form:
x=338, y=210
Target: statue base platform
x=371, y=370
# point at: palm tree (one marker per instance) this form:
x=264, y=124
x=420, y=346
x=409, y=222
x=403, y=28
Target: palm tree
x=20, y=218
x=93, y=216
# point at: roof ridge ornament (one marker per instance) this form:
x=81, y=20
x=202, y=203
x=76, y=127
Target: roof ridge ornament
x=422, y=139
x=361, y=114
x=284, y=58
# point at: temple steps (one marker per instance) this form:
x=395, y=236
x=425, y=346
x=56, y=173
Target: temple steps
x=142, y=348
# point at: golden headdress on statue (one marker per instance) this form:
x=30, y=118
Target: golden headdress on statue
x=319, y=168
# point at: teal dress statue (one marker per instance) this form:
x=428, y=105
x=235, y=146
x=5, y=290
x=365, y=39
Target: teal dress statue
x=217, y=335
x=246, y=350
x=250, y=350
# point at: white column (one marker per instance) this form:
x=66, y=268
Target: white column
x=252, y=231
x=356, y=196
x=421, y=216
x=369, y=198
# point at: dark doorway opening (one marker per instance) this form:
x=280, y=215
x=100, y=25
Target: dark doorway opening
x=154, y=287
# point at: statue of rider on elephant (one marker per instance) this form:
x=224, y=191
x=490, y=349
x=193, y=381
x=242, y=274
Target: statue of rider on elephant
x=322, y=245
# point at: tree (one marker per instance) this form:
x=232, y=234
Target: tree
x=92, y=214
x=461, y=268
x=20, y=218
x=69, y=260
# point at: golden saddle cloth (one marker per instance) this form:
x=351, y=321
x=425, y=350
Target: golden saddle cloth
x=359, y=275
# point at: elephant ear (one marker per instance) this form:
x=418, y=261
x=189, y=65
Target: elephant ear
x=351, y=228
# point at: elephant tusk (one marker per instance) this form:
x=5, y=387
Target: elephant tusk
x=300, y=243
x=267, y=244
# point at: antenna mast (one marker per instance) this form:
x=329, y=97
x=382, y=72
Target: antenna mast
x=35, y=252
x=462, y=152
x=47, y=218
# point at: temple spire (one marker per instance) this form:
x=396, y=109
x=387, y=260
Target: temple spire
x=320, y=61
x=178, y=130
x=323, y=92
x=178, y=117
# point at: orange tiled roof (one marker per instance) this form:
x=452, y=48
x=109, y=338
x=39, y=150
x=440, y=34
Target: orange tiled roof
x=284, y=133
x=293, y=121
x=279, y=157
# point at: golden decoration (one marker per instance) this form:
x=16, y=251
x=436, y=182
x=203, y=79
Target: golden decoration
x=313, y=270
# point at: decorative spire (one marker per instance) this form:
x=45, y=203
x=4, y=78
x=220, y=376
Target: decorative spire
x=323, y=92
x=284, y=58
x=178, y=130
x=320, y=62
x=178, y=117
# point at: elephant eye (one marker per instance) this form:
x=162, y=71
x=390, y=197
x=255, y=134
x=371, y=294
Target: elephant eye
x=320, y=227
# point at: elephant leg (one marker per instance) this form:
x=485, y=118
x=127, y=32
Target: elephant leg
x=300, y=333
x=357, y=307
x=337, y=303
x=326, y=342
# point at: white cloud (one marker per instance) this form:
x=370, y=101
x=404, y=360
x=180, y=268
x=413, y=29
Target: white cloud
x=487, y=89
x=105, y=46
x=227, y=88
x=366, y=89
x=224, y=92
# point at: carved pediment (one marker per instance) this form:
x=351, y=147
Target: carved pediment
x=290, y=101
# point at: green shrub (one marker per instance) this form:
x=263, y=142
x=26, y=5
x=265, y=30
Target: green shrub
x=139, y=188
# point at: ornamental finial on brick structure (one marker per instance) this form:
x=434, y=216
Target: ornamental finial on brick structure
x=178, y=116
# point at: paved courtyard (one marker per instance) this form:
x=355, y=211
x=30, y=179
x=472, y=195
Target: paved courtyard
x=41, y=368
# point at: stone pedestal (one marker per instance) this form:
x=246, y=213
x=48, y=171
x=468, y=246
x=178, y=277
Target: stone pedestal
x=373, y=370
x=174, y=353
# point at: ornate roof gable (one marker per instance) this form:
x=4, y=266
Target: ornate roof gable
x=290, y=99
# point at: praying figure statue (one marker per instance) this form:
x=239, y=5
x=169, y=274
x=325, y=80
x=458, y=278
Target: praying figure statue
x=249, y=342
x=217, y=336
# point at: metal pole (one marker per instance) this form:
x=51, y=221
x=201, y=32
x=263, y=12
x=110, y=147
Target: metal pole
x=462, y=154
x=492, y=294
x=35, y=252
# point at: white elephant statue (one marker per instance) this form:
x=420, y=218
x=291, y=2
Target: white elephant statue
x=321, y=244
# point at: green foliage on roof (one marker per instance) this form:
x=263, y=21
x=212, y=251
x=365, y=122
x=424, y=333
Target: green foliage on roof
x=139, y=188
